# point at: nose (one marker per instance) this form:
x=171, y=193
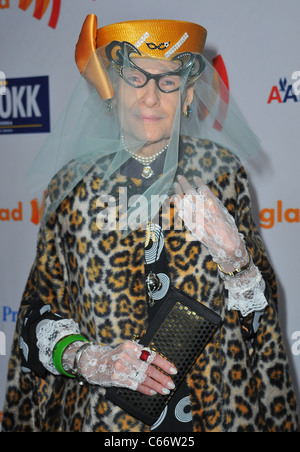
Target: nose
x=149, y=95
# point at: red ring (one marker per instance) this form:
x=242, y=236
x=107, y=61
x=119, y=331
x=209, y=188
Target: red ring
x=144, y=355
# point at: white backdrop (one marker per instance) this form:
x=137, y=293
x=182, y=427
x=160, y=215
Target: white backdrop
x=259, y=42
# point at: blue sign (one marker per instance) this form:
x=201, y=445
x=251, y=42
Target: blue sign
x=24, y=106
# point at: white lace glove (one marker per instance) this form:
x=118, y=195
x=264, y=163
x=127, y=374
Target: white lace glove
x=210, y=222
x=121, y=367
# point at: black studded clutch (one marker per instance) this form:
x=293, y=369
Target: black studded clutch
x=179, y=332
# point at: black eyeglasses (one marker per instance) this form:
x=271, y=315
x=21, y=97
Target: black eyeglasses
x=190, y=68
x=167, y=82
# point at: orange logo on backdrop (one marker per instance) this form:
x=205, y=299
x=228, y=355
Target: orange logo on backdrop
x=37, y=211
x=17, y=213
x=268, y=217
x=40, y=8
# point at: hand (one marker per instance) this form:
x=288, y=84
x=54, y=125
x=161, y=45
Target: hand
x=210, y=222
x=122, y=367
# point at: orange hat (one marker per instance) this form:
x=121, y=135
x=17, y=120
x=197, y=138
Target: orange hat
x=156, y=38
x=160, y=38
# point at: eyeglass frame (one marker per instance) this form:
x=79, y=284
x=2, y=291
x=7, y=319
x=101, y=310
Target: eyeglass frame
x=149, y=76
x=125, y=49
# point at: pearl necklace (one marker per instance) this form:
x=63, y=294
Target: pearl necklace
x=145, y=161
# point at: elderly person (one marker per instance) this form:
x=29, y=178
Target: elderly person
x=147, y=197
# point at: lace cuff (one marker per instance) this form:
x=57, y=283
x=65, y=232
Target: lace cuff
x=48, y=333
x=246, y=291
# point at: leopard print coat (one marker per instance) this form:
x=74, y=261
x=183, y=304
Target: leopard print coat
x=98, y=279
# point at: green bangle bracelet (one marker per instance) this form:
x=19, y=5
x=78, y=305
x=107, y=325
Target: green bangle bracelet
x=59, y=349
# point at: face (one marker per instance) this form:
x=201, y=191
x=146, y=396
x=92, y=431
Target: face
x=147, y=113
